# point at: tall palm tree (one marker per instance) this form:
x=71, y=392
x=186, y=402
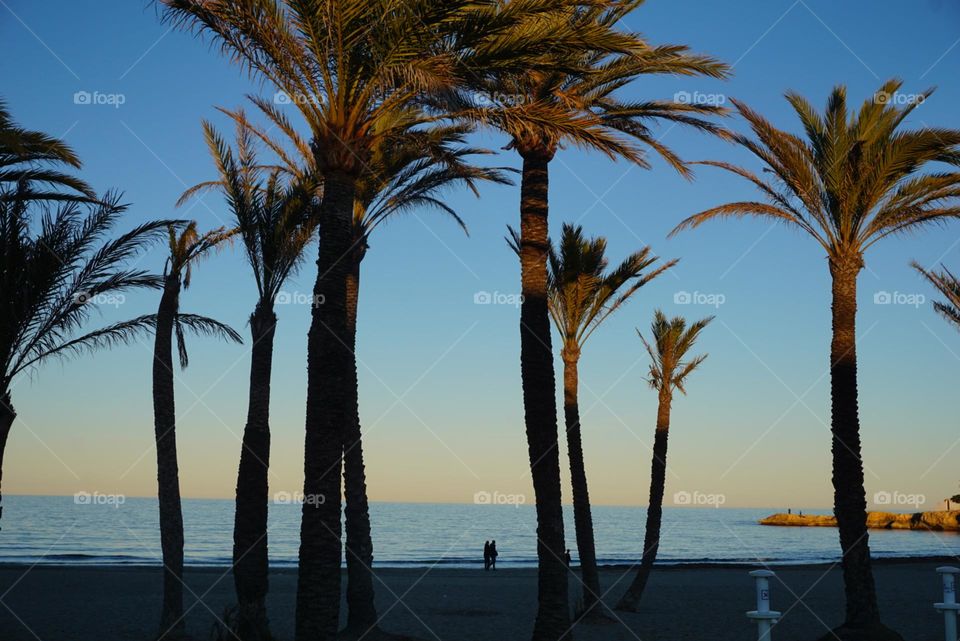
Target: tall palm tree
x=854, y=180
x=52, y=276
x=582, y=294
x=410, y=173
x=669, y=368
x=949, y=286
x=29, y=158
x=187, y=247
x=275, y=222
x=541, y=110
x=355, y=69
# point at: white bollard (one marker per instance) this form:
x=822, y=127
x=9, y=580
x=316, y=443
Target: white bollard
x=949, y=606
x=763, y=615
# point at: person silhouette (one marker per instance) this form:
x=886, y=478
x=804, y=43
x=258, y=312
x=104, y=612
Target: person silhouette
x=493, y=555
x=486, y=555
x=566, y=557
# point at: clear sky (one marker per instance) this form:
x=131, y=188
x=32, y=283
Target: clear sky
x=439, y=375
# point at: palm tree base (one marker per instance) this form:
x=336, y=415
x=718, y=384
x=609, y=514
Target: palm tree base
x=875, y=632
x=628, y=603
x=599, y=614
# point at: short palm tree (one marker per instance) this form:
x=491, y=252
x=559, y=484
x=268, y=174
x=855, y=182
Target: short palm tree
x=53, y=274
x=855, y=179
x=670, y=365
x=541, y=110
x=411, y=172
x=30, y=158
x=949, y=287
x=275, y=221
x=355, y=69
x=582, y=295
x=187, y=247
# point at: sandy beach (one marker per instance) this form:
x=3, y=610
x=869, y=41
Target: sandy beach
x=682, y=603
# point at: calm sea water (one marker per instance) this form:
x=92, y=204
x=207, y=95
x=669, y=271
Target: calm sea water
x=58, y=530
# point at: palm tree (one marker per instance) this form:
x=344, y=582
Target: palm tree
x=275, y=223
x=949, y=286
x=540, y=110
x=411, y=172
x=856, y=179
x=669, y=368
x=356, y=70
x=53, y=275
x=28, y=158
x=186, y=248
x=582, y=294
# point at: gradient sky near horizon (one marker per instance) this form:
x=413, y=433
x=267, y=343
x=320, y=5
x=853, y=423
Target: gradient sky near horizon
x=439, y=375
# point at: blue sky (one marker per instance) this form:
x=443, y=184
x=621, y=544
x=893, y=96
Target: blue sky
x=439, y=375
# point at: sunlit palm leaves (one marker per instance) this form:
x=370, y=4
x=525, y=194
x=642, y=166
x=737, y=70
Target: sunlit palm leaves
x=671, y=340
x=949, y=287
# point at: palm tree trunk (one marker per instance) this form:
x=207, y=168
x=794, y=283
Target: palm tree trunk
x=658, y=478
x=539, y=399
x=168, y=474
x=361, y=611
x=331, y=394
x=582, y=519
x=849, y=496
x=7, y=416
x=250, y=565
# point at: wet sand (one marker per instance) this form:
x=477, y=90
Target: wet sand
x=62, y=603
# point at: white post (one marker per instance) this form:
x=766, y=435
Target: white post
x=763, y=615
x=949, y=606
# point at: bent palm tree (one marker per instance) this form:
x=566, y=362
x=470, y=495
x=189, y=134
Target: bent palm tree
x=856, y=179
x=669, y=368
x=354, y=69
x=275, y=222
x=52, y=277
x=186, y=248
x=543, y=110
x=582, y=295
x=31, y=157
x=949, y=286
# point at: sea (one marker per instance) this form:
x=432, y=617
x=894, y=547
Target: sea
x=124, y=531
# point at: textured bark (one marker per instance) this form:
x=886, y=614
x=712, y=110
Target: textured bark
x=849, y=496
x=539, y=399
x=361, y=611
x=331, y=394
x=250, y=565
x=658, y=479
x=7, y=416
x=582, y=518
x=168, y=474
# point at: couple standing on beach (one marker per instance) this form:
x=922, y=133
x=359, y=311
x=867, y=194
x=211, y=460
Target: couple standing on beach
x=490, y=555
